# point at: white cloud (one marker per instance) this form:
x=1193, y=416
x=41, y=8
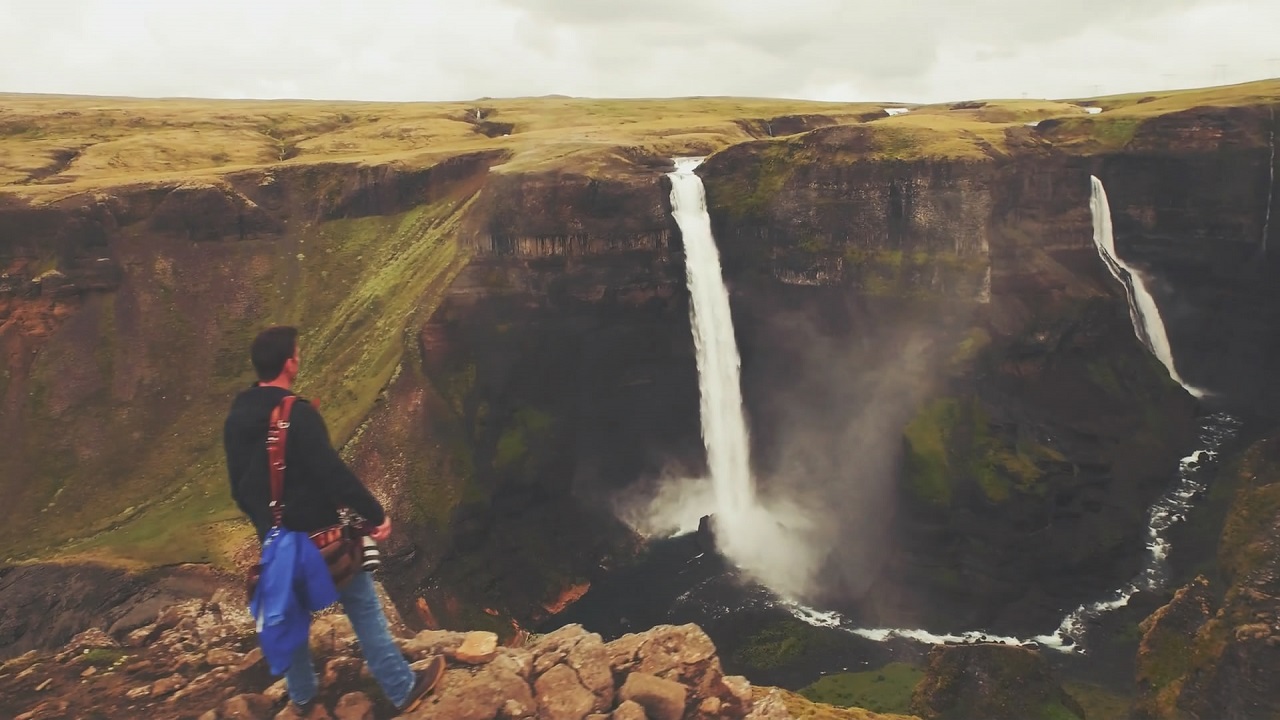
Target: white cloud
x=927, y=50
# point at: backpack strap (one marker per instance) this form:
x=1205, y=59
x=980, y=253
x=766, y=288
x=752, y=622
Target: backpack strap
x=277, y=432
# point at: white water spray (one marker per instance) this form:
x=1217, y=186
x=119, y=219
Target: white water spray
x=1143, y=312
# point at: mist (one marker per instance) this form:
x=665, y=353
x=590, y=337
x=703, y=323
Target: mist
x=827, y=403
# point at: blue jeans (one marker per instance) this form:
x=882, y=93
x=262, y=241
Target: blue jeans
x=386, y=664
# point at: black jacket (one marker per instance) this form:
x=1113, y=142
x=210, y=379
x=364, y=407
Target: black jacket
x=316, y=480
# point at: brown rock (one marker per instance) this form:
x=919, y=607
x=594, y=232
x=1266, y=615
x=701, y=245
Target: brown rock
x=354, y=706
x=167, y=685
x=475, y=694
x=622, y=652
x=201, y=683
x=141, y=636
x=252, y=658
x=139, y=692
x=590, y=660
x=209, y=715
x=134, y=668
x=317, y=712
x=516, y=710
x=432, y=642
x=629, y=710
x=684, y=654
x=517, y=660
x=249, y=706
x=220, y=656
x=710, y=706
x=332, y=635
x=661, y=699
x=90, y=639
x=341, y=671
x=738, y=700
x=277, y=690
x=678, y=649
x=561, y=696
x=770, y=707
x=477, y=648
x=554, y=646
x=47, y=710
x=585, y=654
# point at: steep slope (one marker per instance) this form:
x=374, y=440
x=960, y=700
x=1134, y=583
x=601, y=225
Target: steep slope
x=1210, y=651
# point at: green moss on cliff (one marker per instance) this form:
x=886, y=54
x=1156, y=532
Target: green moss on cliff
x=951, y=439
x=1098, y=702
x=1096, y=133
x=528, y=428
x=802, y=708
x=356, y=345
x=1244, y=545
x=776, y=645
x=352, y=288
x=919, y=275
x=927, y=455
x=748, y=195
x=886, y=689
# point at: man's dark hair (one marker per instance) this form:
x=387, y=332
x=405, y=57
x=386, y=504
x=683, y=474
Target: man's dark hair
x=271, y=349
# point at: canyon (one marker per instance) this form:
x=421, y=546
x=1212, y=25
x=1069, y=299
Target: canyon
x=495, y=322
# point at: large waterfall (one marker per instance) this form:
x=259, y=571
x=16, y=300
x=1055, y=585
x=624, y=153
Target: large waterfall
x=724, y=429
x=769, y=539
x=1143, y=311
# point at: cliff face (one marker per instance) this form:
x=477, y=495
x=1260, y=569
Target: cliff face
x=127, y=317
x=931, y=351
x=968, y=297
x=1195, y=221
x=1209, y=651
x=562, y=359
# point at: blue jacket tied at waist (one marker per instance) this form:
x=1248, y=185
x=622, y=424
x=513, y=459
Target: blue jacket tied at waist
x=294, y=583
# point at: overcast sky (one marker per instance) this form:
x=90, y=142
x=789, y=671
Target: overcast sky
x=908, y=50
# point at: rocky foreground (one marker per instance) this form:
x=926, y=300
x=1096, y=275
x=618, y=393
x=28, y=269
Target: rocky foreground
x=200, y=659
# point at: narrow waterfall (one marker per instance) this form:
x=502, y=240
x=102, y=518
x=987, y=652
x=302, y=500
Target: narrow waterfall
x=724, y=428
x=1143, y=311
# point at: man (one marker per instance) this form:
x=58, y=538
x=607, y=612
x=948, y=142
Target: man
x=317, y=482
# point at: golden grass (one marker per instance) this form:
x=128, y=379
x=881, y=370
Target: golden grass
x=52, y=146
x=1259, y=92
x=118, y=140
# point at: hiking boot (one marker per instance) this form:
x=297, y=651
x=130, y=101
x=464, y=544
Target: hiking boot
x=424, y=681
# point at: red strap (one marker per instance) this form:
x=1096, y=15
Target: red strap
x=277, y=431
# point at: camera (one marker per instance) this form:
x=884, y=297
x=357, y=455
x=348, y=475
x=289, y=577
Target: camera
x=370, y=555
